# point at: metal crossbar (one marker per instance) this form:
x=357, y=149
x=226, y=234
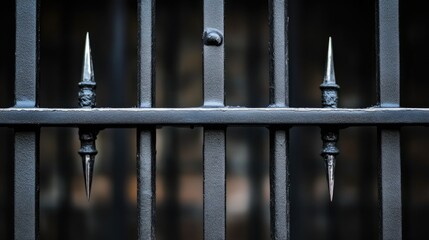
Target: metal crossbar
x=136, y=117
x=26, y=118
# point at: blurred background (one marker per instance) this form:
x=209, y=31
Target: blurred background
x=111, y=213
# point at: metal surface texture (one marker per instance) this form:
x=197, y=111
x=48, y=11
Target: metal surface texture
x=146, y=137
x=213, y=54
x=26, y=195
x=27, y=48
x=214, y=169
x=134, y=117
x=330, y=134
x=87, y=135
x=279, y=136
x=26, y=174
x=388, y=69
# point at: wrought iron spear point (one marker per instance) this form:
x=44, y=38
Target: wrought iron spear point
x=331, y=170
x=87, y=152
x=330, y=71
x=87, y=135
x=88, y=70
x=330, y=134
x=88, y=167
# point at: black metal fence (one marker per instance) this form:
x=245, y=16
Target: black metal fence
x=27, y=119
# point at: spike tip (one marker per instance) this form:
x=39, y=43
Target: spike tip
x=330, y=165
x=88, y=70
x=330, y=71
x=88, y=167
x=87, y=152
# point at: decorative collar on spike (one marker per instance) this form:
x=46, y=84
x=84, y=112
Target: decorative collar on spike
x=87, y=136
x=330, y=134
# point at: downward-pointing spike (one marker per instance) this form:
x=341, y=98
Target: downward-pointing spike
x=330, y=165
x=88, y=167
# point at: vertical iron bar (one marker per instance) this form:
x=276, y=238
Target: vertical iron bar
x=146, y=137
x=279, y=97
x=388, y=53
x=26, y=193
x=213, y=53
x=388, y=77
x=26, y=185
x=146, y=54
x=279, y=57
x=214, y=184
x=26, y=52
x=214, y=138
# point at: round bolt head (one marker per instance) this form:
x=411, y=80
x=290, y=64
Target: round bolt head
x=212, y=37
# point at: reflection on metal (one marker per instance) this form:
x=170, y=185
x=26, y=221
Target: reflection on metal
x=329, y=89
x=87, y=135
x=212, y=37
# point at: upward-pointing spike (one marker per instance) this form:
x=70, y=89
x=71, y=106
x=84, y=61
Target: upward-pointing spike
x=330, y=72
x=88, y=70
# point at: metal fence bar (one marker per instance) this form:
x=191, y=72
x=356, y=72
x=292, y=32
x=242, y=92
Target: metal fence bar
x=279, y=137
x=26, y=187
x=26, y=193
x=388, y=68
x=146, y=136
x=213, y=53
x=26, y=53
x=134, y=117
x=214, y=138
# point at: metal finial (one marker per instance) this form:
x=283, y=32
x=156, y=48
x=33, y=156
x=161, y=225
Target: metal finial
x=88, y=70
x=330, y=134
x=329, y=153
x=88, y=167
x=330, y=167
x=87, y=135
x=87, y=85
x=87, y=152
x=330, y=71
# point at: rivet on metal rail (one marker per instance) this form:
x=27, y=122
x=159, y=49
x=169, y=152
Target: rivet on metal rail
x=330, y=134
x=87, y=135
x=212, y=37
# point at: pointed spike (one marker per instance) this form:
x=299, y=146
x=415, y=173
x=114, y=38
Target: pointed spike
x=88, y=167
x=330, y=164
x=88, y=70
x=330, y=71
x=331, y=184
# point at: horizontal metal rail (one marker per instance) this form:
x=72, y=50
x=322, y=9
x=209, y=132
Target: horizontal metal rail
x=131, y=117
